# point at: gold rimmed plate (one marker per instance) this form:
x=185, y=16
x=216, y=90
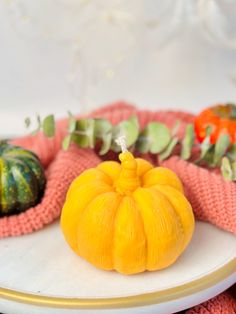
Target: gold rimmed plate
x=39, y=271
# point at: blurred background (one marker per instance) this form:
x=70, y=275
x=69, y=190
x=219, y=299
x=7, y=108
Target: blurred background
x=77, y=55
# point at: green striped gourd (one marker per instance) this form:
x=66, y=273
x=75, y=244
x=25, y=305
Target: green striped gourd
x=22, y=179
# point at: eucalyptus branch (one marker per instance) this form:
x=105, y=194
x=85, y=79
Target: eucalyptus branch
x=156, y=138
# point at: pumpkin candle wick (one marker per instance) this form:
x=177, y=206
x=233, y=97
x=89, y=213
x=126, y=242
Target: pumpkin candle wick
x=121, y=141
x=128, y=180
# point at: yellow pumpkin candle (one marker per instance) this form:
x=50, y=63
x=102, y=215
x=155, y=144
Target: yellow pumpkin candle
x=130, y=217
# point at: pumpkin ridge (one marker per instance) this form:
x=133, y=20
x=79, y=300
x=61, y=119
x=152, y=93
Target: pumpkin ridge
x=4, y=165
x=88, y=175
x=162, y=176
x=109, y=179
x=159, y=260
x=108, y=168
x=84, y=210
x=18, y=151
x=36, y=170
x=19, y=175
x=174, y=209
x=114, y=233
x=76, y=188
x=169, y=196
x=9, y=191
x=64, y=214
x=83, y=219
x=144, y=231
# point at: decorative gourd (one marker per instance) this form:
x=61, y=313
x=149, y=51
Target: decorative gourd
x=130, y=217
x=221, y=118
x=22, y=179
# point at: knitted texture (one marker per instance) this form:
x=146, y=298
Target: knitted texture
x=212, y=198
x=224, y=303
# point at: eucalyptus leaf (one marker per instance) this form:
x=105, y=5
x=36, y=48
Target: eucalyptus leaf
x=175, y=128
x=38, y=118
x=226, y=169
x=158, y=136
x=101, y=127
x=72, y=123
x=205, y=147
x=209, y=130
x=233, y=111
x=48, y=126
x=134, y=120
x=66, y=142
x=27, y=122
x=106, y=144
x=233, y=166
x=84, y=133
x=70, y=114
x=221, y=147
x=168, y=150
x=232, y=152
x=188, y=141
x=142, y=144
x=128, y=128
x=209, y=157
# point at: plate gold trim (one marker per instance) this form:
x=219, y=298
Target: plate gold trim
x=156, y=297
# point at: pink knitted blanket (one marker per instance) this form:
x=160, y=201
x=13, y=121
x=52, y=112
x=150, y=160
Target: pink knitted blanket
x=212, y=198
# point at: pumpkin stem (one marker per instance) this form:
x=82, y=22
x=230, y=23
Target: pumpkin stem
x=128, y=180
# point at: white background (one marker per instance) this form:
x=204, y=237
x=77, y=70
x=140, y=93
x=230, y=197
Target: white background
x=51, y=68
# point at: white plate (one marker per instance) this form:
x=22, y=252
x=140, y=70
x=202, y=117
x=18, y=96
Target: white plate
x=40, y=271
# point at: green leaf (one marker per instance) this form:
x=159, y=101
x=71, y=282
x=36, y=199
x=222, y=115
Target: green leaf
x=71, y=123
x=66, y=142
x=129, y=128
x=38, y=118
x=209, y=130
x=209, y=157
x=233, y=111
x=168, y=150
x=154, y=138
x=102, y=130
x=221, y=147
x=38, y=128
x=84, y=133
x=226, y=169
x=134, y=120
x=188, y=142
x=106, y=144
x=205, y=147
x=49, y=126
x=232, y=152
x=142, y=144
x=101, y=127
x=233, y=166
x=27, y=122
x=159, y=136
x=176, y=127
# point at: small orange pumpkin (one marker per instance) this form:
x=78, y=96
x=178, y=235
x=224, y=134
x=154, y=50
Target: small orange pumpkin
x=130, y=217
x=221, y=118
